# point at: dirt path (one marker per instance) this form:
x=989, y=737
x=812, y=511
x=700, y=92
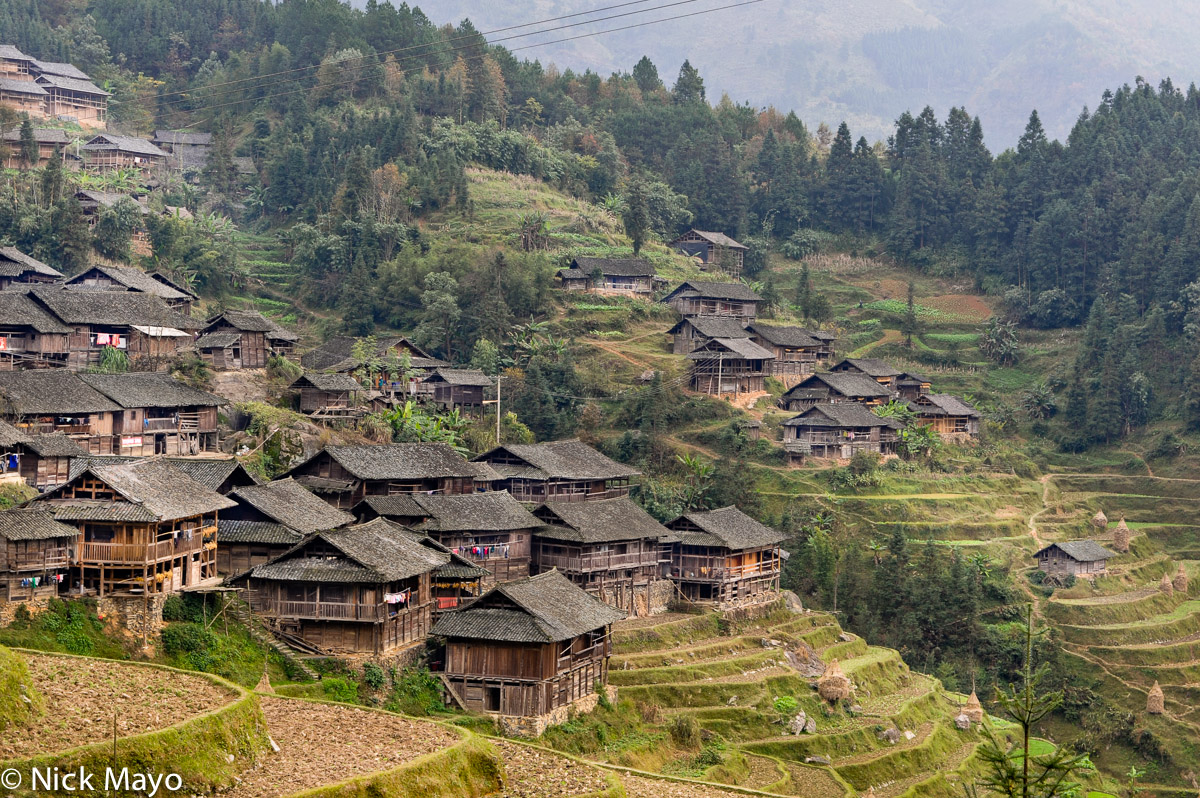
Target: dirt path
x=889, y=337
x=614, y=351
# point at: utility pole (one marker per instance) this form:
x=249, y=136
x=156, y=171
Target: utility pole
x=496, y=402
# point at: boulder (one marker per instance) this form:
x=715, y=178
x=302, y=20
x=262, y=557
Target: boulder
x=890, y=735
x=811, y=726
x=962, y=722
x=798, y=723
x=817, y=760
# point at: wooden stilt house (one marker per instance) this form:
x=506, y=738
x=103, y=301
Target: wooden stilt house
x=698, y=298
x=527, y=647
x=359, y=589
x=947, y=415
x=159, y=414
x=328, y=395
x=557, y=471
x=17, y=268
x=268, y=520
x=724, y=555
x=30, y=335
x=730, y=365
x=344, y=475
x=712, y=249
x=797, y=351
x=838, y=431
x=450, y=388
x=35, y=554
x=242, y=339
x=695, y=331
x=104, y=277
x=492, y=530
x=46, y=461
x=609, y=548
x=831, y=388
x=144, y=527
x=879, y=370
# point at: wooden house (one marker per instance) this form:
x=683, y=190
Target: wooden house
x=712, y=249
x=221, y=474
x=14, y=64
x=617, y=276
x=797, y=351
x=30, y=335
x=331, y=394
x=268, y=520
x=104, y=277
x=527, y=647
x=344, y=475
x=832, y=388
x=729, y=365
x=881, y=371
x=242, y=339
x=491, y=530
x=1080, y=558
x=145, y=527
x=947, y=415
x=108, y=152
x=696, y=298
x=162, y=415
x=143, y=326
x=338, y=355
x=35, y=554
x=838, y=431
x=609, y=548
x=46, y=461
x=23, y=96
x=723, y=555
x=911, y=386
x=557, y=471
x=18, y=268
x=70, y=94
x=51, y=142
x=57, y=401
x=359, y=589
x=186, y=149
x=695, y=331
x=457, y=387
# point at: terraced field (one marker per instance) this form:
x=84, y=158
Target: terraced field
x=728, y=675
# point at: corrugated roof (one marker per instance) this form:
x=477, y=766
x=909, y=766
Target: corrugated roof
x=17, y=309
x=494, y=511
x=50, y=392
x=150, y=389
x=1081, y=550
x=707, y=290
x=151, y=486
x=840, y=414
x=597, y=521
x=111, y=141
x=846, y=383
x=135, y=280
x=14, y=263
x=33, y=523
x=730, y=349
x=871, y=366
x=327, y=382
x=546, y=608
x=288, y=502
x=785, y=336
x=398, y=461
x=111, y=308
x=268, y=533
x=617, y=267
x=727, y=527
x=466, y=377
x=570, y=459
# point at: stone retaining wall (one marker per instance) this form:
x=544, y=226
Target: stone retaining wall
x=533, y=726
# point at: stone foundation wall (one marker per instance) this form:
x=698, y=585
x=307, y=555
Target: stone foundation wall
x=8, y=609
x=533, y=726
x=654, y=598
x=398, y=658
x=139, y=616
x=755, y=606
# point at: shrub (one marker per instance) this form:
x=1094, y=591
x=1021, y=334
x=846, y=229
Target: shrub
x=373, y=676
x=339, y=689
x=684, y=731
x=415, y=691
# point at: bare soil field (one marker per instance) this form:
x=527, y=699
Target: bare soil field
x=530, y=773
x=323, y=744
x=83, y=696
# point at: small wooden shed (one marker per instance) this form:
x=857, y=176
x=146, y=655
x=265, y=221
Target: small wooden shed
x=327, y=394
x=1081, y=558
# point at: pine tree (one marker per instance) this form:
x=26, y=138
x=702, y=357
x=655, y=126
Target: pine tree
x=689, y=86
x=910, y=316
x=645, y=74
x=636, y=214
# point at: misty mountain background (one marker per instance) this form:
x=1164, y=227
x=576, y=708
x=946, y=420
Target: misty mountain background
x=867, y=61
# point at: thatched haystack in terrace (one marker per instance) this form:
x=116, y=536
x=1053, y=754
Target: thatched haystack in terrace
x=834, y=685
x=1121, y=537
x=1180, y=582
x=1165, y=585
x=20, y=702
x=1155, y=700
x=1100, y=520
x=973, y=709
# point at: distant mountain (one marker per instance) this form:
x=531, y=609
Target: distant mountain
x=866, y=61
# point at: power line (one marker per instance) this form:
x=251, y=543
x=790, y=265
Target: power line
x=451, y=50
x=514, y=49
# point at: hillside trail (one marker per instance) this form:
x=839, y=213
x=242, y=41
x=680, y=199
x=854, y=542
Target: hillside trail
x=612, y=350
x=889, y=337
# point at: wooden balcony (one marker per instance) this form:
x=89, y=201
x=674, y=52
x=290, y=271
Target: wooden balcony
x=698, y=569
x=139, y=553
x=44, y=560
x=335, y=610
x=598, y=561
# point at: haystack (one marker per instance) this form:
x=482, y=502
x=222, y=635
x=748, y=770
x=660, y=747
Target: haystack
x=1165, y=585
x=973, y=709
x=834, y=685
x=1180, y=582
x=264, y=684
x=1100, y=520
x=1155, y=701
x=1121, y=536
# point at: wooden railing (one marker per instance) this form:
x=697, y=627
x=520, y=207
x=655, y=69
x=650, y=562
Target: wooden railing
x=525, y=494
x=332, y=610
x=90, y=551
x=703, y=570
x=45, y=559
x=599, y=561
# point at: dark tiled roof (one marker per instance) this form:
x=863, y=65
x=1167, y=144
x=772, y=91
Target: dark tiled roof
x=75, y=84
x=211, y=472
x=720, y=239
x=403, y=505
x=42, y=135
x=376, y=552
x=150, y=389
x=327, y=382
x=728, y=527
x=707, y=290
x=572, y=274
x=487, y=512
x=469, y=377
x=1081, y=550
x=107, y=198
x=50, y=392
x=111, y=141
x=570, y=459
x=249, y=320
x=546, y=608
x=112, y=512
x=18, y=310
x=617, y=267
x=288, y=502
x=400, y=461
x=871, y=366
x=785, y=336
x=337, y=354
x=152, y=486
x=714, y=327
x=10, y=435
x=597, y=522
x=945, y=403
x=111, y=308
x=218, y=340
x=912, y=377
x=14, y=263
x=60, y=68
x=731, y=349
x=33, y=523
x=182, y=137
x=11, y=53
x=22, y=87
x=55, y=445
x=840, y=414
x=136, y=280
x=846, y=383
x=266, y=532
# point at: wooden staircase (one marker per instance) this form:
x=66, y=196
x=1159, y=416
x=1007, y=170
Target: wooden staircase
x=285, y=644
